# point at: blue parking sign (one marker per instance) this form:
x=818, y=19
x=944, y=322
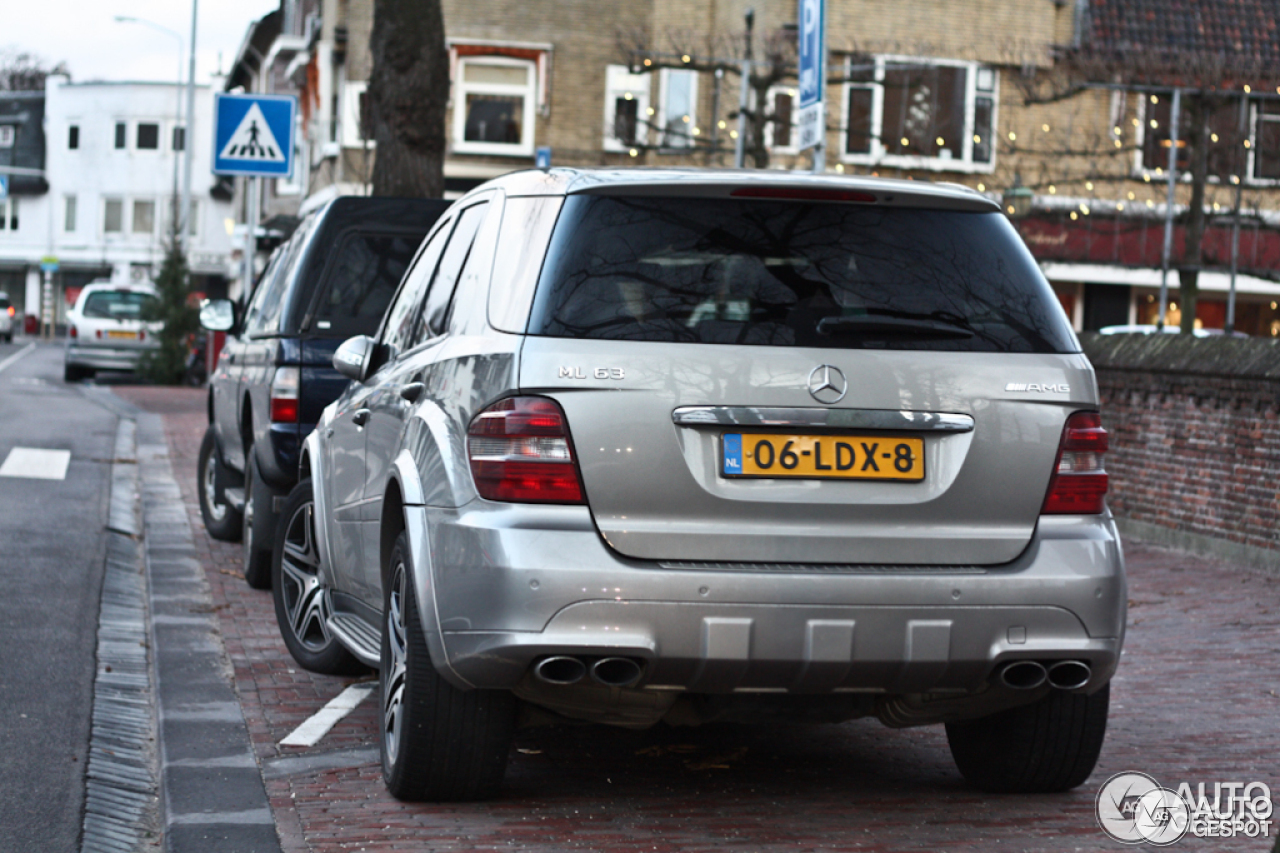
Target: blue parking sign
x=253, y=135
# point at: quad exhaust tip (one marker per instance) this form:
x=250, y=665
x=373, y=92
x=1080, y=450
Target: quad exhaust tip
x=1023, y=675
x=616, y=672
x=1069, y=674
x=560, y=669
x=611, y=672
x=1030, y=674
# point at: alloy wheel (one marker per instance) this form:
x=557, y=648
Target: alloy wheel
x=217, y=509
x=306, y=601
x=393, y=679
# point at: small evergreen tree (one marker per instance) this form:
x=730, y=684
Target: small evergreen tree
x=165, y=365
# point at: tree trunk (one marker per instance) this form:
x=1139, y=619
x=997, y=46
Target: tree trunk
x=408, y=91
x=1192, y=259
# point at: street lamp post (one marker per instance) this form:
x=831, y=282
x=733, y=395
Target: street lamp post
x=189, y=136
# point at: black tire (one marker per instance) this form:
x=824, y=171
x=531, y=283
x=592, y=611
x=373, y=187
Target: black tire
x=220, y=518
x=258, y=525
x=73, y=373
x=439, y=743
x=1047, y=747
x=302, y=602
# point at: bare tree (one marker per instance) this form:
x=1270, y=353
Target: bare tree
x=1211, y=141
x=722, y=56
x=408, y=93
x=25, y=72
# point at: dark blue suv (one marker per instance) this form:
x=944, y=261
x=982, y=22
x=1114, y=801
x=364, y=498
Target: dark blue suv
x=332, y=279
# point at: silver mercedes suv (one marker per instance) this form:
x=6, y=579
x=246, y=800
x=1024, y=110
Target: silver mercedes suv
x=636, y=447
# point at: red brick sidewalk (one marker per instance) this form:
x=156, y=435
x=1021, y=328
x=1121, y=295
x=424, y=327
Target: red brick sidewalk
x=1197, y=699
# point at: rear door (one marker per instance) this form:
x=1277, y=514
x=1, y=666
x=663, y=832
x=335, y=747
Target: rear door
x=790, y=382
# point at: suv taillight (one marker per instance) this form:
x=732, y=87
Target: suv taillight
x=74, y=332
x=1079, y=482
x=284, y=395
x=521, y=452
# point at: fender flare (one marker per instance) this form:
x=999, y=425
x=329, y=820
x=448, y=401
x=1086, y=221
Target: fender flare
x=404, y=472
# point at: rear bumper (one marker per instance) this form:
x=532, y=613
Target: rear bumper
x=105, y=358
x=511, y=585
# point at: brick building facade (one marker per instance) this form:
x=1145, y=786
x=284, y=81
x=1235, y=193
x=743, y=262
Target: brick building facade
x=971, y=93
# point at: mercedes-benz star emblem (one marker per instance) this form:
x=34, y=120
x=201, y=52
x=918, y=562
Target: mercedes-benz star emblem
x=827, y=384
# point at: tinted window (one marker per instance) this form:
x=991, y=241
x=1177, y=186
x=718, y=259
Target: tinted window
x=361, y=282
x=116, y=304
x=794, y=274
x=4, y=302
x=401, y=319
x=455, y=255
x=268, y=301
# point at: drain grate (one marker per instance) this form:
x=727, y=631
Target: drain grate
x=121, y=802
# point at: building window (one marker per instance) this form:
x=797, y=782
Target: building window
x=69, y=214
x=148, y=136
x=112, y=216
x=678, y=118
x=8, y=134
x=121, y=131
x=9, y=214
x=626, y=108
x=73, y=137
x=1226, y=153
x=920, y=113
x=193, y=221
x=1265, y=149
x=780, y=134
x=179, y=138
x=493, y=107
x=144, y=217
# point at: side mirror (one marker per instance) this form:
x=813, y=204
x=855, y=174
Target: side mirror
x=217, y=315
x=354, y=356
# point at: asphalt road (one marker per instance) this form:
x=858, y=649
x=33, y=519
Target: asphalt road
x=52, y=540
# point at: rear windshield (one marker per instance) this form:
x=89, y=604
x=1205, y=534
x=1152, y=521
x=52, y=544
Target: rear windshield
x=767, y=273
x=116, y=304
x=364, y=277
x=4, y=302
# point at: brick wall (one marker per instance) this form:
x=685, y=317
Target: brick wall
x=1195, y=434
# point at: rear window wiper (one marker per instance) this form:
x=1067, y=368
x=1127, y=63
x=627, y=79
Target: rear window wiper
x=872, y=324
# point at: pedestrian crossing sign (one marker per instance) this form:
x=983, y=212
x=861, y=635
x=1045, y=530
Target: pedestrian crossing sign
x=253, y=135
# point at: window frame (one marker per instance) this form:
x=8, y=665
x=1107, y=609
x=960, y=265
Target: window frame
x=528, y=92
x=615, y=75
x=665, y=82
x=133, y=218
x=879, y=154
x=8, y=135
x=9, y=219
x=137, y=136
x=73, y=137
x=70, y=214
x=794, y=93
x=123, y=229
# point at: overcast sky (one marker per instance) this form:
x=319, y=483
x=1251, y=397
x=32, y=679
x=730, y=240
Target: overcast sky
x=85, y=34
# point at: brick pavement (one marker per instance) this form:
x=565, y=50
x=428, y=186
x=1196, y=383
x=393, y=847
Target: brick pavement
x=1197, y=699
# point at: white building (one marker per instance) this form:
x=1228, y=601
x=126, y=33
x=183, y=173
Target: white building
x=113, y=166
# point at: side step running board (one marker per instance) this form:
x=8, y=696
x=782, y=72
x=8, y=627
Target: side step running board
x=234, y=498
x=360, y=638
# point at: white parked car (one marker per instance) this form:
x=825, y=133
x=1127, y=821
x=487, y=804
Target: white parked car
x=105, y=329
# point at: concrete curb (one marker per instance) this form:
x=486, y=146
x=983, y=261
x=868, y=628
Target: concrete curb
x=1204, y=546
x=212, y=789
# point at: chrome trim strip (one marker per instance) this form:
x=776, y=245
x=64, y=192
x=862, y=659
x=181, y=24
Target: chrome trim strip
x=759, y=416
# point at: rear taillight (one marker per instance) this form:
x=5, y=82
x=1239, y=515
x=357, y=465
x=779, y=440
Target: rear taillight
x=11, y=311
x=284, y=395
x=97, y=333
x=73, y=332
x=521, y=452
x=142, y=334
x=1079, y=483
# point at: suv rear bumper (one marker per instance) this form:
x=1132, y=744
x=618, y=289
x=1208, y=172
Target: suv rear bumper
x=511, y=585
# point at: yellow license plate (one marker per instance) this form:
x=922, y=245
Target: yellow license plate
x=840, y=457
x=132, y=336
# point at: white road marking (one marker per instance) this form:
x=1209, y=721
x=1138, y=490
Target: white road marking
x=310, y=732
x=36, y=464
x=17, y=355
